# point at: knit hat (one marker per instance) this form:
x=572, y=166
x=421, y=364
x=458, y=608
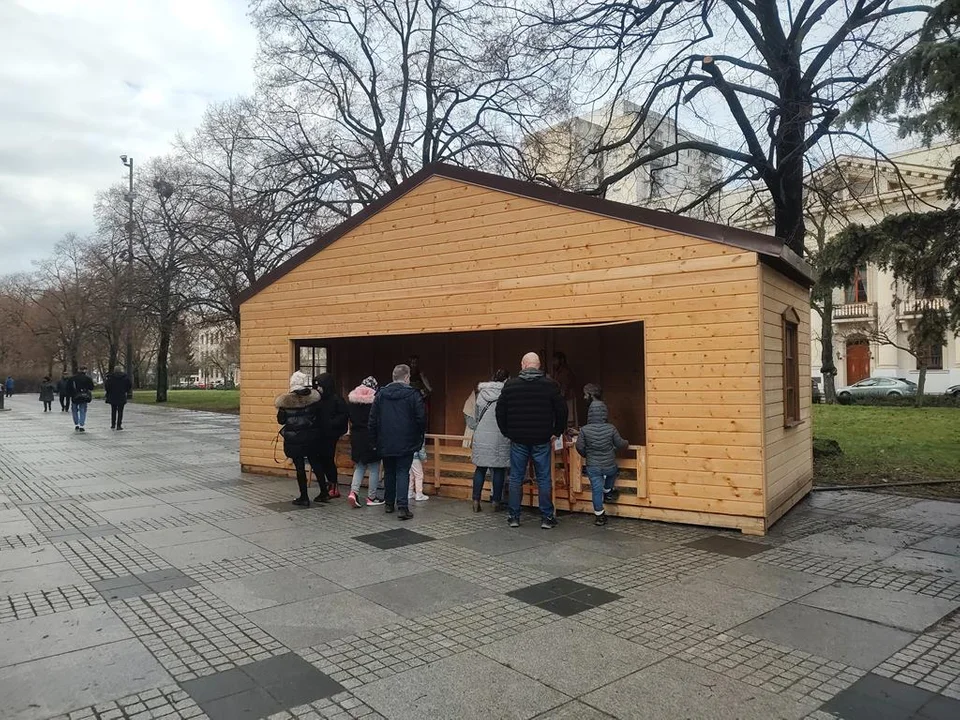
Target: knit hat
x=299, y=381
x=370, y=382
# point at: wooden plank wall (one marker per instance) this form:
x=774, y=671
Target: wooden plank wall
x=451, y=256
x=788, y=452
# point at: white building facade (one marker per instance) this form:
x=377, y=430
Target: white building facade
x=872, y=317
x=217, y=353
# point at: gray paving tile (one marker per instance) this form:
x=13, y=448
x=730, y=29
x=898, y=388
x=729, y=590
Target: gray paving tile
x=250, y=704
x=200, y=532
x=188, y=554
x=929, y=511
x=268, y=589
x=559, y=653
x=574, y=710
x=29, y=557
x=558, y=559
x=286, y=537
x=43, y=688
x=852, y=641
x=419, y=594
x=219, y=685
x=930, y=563
x=878, y=698
x=833, y=544
x=15, y=522
x=485, y=689
x=766, y=579
x=311, y=622
x=367, y=569
x=31, y=639
x=728, y=546
x=725, y=606
x=887, y=607
x=496, y=541
x=675, y=689
x=38, y=578
x=394, y=539
x=940, y=544
x=890, y=537
x=617, y=544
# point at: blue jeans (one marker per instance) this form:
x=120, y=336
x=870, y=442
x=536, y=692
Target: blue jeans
x=542, y=456
x=601, y=482
x=499, y=477
x=396, y=480
x=358, y=470
x=79, y=414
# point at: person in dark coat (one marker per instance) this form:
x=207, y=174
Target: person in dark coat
x=298, y=412
x=116, y=386
x=47, y=389
x=332, y=418
x=80, y=390
x=398, y=421
x=530, y=412
x=63, y=391
x=362, y=452
x=8, y=386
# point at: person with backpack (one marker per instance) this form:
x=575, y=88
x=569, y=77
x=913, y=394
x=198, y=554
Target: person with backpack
x=80, y=390
x=298, y=413
x=47, y=390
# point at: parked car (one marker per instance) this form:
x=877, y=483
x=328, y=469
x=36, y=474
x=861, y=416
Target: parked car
x=953, y=390
x=878, y=387
x=817, y=393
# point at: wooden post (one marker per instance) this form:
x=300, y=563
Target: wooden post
x=642, y=471
x=436, y=465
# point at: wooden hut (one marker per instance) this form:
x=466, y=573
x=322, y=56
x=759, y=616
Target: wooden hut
x=699, y=334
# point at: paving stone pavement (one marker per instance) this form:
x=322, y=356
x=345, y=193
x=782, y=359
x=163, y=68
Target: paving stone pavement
x=143, y=576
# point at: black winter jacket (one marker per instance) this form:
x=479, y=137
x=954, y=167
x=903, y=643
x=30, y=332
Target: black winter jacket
x=298, y=413
x=332, y=411
x=359, y=406
x=530, y=410
x=116, y=387
x=398, y=420
x=80, y=383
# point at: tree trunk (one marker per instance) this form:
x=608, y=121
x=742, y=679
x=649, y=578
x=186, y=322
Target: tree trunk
x=921, y=383
x=163, y=355
x=828, y=368
x=788, y=203
x=114, y=356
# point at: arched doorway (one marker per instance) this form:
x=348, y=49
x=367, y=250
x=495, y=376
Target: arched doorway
x=858, y=360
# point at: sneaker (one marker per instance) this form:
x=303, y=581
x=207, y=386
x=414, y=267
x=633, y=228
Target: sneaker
x=388, y=508
x=513, y=522
x=372, y=501
x=302, y=502
x=404, y=513
x=548, y=523
x=600, y=519
x=82, y=429
x=420, y=497
x=76, y=428
x=112, y=427
x=335, y=491
x=352, y=500
x=611, y=496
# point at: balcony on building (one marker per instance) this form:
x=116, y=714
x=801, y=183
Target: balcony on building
x=911, y=309
x=856, y=306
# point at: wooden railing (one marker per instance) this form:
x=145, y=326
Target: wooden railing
x=448, y=471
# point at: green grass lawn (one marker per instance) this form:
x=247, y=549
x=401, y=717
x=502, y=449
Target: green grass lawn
x=224, y=401
x=890, y=444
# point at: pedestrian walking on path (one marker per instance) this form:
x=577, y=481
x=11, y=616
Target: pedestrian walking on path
x=8, y=386
x=298, y=412
x=490, y=449
x=116, y=387
x=80, y=390
x=63, y=391
x=47, y=390
x=398, y=421
x=530, y=412
x=362, y=452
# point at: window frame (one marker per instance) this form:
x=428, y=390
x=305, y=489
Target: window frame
x=931, y=357
x=790, y=330
x=315, y=367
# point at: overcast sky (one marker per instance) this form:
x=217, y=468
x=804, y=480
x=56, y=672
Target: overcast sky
x=84, y=81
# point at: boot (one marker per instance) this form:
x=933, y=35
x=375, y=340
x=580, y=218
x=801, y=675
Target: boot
x=476, y=506
x=304, y=499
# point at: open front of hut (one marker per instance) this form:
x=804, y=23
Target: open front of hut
x=698, y=334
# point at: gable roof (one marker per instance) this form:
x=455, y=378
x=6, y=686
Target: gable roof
x=771, y=250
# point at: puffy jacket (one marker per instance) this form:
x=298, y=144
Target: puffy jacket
x=599, y=441
x=398, y=420
x=47, y=390
x=332, y=413
x=530, y=410
x=116, y=387
x=490, y=447
x=80, y=383
x=298, y=413
x=359, y=403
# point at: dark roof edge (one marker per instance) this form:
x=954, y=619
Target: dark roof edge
x=771, y=249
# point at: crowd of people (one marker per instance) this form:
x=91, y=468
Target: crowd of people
x=75, y=393
x=511, y=423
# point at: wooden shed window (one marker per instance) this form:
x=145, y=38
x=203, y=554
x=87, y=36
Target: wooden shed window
x=791, y=368
x=311, y=358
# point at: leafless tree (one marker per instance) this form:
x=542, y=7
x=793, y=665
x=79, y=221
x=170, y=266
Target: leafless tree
x=779, y=74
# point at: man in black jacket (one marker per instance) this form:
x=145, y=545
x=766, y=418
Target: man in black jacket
x=332, y=416
x=115, y=388
x=398, y=421
x=81, y=393
x=63, y=390
x=530, y=413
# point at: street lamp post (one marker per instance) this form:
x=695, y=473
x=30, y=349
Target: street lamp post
x=128, y=364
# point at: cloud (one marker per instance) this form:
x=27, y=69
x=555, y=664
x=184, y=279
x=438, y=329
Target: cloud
x=83, y=81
